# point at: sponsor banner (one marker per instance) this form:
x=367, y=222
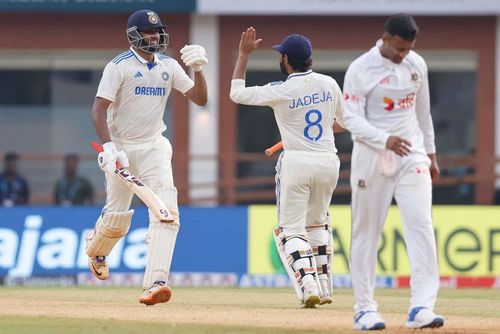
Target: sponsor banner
x=349, y=7
x=282, y=281
x=265, y=281
x=170, y=6
x=457, y=282
x=174, y=280
x=49, y=241
x=62, y=280
x=468, y=241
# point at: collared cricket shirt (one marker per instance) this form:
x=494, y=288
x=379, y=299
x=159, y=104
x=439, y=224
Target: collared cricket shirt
x=139, y=91
x=305, y=107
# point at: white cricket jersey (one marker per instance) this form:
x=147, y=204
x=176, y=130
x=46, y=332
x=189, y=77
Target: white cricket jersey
x=305, y=107
x=383, y=98
x=139, y=91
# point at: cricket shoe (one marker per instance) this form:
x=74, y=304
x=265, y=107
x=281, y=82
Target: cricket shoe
x=423, y=317
x=325, y=300
x=158, y=293
x=99, y=267
x=368, y=321
x=311, y=295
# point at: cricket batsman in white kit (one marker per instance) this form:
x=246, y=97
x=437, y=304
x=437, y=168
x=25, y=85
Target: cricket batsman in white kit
x=305, y=106
x=128, y=118
x=387, y=111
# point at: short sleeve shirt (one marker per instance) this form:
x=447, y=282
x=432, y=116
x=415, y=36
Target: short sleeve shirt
x=139, y=92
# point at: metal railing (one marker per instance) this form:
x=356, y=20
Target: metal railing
x=42, y=172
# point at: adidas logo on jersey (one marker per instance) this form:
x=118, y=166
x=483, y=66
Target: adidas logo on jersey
x=138, y=74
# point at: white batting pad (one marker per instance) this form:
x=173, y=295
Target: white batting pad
x=297, y=257
x=321, y=240
x=161, y=243
x=109, y=229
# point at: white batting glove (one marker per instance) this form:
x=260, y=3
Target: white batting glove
x=107, y=159
x=195, y=56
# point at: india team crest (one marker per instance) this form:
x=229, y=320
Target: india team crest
x=165, y=76
x=153, y=19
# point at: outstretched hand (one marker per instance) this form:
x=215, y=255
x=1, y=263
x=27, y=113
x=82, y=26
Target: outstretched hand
x=248, y=43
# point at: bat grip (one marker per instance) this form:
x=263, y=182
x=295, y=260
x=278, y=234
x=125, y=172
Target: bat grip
x=273, y=149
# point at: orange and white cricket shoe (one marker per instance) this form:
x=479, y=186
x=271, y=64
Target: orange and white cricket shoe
x=99, y=267
x=158, y=293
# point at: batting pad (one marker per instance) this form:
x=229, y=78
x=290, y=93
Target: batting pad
x=109, y=229
x=297, y=257
x=161, y=243
x=321, y=240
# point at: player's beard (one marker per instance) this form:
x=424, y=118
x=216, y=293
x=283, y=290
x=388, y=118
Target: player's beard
x=283, y=68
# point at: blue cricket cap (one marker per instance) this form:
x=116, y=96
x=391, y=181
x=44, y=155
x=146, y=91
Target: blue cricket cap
x=295, y=46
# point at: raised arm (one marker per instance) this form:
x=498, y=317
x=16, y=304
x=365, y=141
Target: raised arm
x=248, y=44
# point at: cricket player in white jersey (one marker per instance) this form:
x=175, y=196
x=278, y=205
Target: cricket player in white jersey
x=305, y=106
x=387, y=111
x=128, y=118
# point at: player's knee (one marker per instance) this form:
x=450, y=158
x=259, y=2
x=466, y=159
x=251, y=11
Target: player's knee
x=114, y=224
x=110, y=227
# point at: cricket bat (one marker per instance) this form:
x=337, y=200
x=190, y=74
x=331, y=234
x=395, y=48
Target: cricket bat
x=273, y=149
x=152, y=201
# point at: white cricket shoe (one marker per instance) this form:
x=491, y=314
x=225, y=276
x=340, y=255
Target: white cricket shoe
x=423, y=317
x=157, y=293
x=368, y=321
x=99, y=267
x=311, y=295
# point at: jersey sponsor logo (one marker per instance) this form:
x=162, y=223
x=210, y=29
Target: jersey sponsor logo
x=138, y=74
x=314, y=98
x=400, y=104
x=150, y=91
x=385, y=81
x=422, y=170
x=351, y=97
x=389, y=104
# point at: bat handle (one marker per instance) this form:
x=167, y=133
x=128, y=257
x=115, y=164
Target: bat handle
x=98, y=148
x=273, y=149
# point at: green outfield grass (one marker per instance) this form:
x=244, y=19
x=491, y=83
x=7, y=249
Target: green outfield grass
x=206, y=310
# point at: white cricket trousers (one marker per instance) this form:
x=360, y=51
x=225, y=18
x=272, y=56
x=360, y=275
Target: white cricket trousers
x=372, y=193
x=304, y=186
x=150, y=162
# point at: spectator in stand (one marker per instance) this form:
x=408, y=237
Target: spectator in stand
x=13, y=187
x=73, y=189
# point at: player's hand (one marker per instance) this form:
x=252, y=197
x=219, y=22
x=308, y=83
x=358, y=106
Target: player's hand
x=195, y=56
x=398, y=145
x=109, y=156
x=434, y=167
x=248, y=43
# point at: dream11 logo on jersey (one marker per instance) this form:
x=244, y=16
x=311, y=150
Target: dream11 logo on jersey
x=400, y=104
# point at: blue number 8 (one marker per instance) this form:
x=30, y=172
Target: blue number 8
x=310, y=124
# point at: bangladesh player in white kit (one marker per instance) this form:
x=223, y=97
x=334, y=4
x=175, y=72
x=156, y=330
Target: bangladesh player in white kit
x=387, y=111
x=128, y=118
x=305, y=107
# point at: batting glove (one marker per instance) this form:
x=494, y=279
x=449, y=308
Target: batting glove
x=107, y=159
x=195, y=56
